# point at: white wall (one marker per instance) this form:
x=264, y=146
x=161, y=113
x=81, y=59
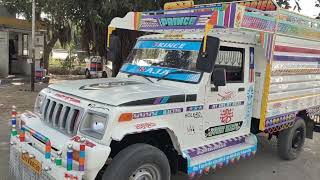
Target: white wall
x=4, y=53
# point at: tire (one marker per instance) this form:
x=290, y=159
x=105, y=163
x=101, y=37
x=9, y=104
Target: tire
x=291, y=140
x=87, y=74
x=138, y=156
x=104, y=74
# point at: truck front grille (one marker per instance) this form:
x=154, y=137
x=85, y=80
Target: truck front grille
x=62, y=116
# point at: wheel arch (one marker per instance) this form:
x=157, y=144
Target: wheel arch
x=164, y=139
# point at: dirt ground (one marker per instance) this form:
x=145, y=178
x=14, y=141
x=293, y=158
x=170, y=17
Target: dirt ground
x=264, y=166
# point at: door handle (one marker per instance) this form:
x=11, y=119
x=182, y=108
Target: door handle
x=241, y=89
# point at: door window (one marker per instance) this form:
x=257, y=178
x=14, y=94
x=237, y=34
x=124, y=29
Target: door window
x=232, y=60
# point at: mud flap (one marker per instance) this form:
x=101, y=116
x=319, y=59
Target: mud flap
x=310, y=127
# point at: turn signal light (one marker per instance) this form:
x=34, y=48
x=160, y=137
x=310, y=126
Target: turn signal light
x=125, y=117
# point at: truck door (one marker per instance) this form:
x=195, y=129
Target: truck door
x=226, y=106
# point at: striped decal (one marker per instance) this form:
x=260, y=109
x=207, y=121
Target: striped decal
x=214, y=18
x=227, y=16
x=232, y=15
x=194, y=152
x=287, y=53
x=137, y=20
x=220, y=18
x=296, y=58
x=267, y=43
x=251, y=69
x=281, y=48
x=34, y=133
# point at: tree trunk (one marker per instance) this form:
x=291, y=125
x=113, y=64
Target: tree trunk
x=94, y=37
x=48, y=49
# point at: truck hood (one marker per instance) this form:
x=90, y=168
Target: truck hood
x=123, y=92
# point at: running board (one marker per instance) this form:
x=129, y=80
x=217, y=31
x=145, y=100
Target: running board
x=223, y=156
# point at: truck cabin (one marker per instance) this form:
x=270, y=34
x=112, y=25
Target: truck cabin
x=173, y=57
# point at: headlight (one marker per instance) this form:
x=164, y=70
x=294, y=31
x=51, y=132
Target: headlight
x=94, y=125
x=39, y=101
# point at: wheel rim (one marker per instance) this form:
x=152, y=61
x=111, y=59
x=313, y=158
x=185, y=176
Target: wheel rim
x=146, y=172
x=297, y=139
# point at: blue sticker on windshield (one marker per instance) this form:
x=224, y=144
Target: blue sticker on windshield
x=173, y=45
x=159, y=72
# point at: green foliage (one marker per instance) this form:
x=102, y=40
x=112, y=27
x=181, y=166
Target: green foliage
x=68, y=64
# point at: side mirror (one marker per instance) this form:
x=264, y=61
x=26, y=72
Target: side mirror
x=218, y=78
x=206, y=60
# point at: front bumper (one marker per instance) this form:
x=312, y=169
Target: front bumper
x=22, y=171
x=95, y=156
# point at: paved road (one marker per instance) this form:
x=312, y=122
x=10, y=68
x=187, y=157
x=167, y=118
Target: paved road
x=264, y=166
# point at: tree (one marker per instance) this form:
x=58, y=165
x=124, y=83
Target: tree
x=58, y=20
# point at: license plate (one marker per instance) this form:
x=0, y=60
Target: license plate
x=32, y=163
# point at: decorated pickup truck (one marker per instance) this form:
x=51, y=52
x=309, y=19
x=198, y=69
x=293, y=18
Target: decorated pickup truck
x=191, y=97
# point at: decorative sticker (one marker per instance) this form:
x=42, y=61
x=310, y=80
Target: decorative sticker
x=196, y=20
x=222, y=160
x=194, y=152
x=249, y=106
x=226, y=95
x=159, y=72
x=146, y=125
x=251, y=67
x=67, y=98
x=194, y=115
x=263, y=5
x=280, y=119
x=87, y=142
x=227, y=104
x=195, y=108
x=171, y=45
x=223, y=129
x=191, y=130
x=226, y=115
x=157, y=113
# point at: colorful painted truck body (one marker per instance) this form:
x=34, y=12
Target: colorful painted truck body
x=189, y=101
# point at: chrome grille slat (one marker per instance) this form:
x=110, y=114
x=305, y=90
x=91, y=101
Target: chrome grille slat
x=69, y=119
x=48, y=112
x=60, y=115
x=56, y=114
x=45, y=106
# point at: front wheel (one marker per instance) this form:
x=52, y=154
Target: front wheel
x=138, y=162
x=291, y=140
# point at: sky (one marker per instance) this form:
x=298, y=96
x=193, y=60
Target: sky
x=308, y=7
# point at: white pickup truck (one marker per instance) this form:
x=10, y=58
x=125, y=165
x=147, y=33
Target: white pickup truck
x=177, y=105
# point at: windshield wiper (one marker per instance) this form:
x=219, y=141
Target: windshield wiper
x=177, y=72
x=129, y=75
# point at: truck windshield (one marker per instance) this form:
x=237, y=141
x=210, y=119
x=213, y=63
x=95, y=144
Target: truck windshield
x=159, y=59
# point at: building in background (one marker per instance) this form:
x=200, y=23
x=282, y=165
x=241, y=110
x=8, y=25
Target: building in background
x=15, y=45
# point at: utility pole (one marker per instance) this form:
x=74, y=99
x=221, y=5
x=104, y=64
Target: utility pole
x=33, y=44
